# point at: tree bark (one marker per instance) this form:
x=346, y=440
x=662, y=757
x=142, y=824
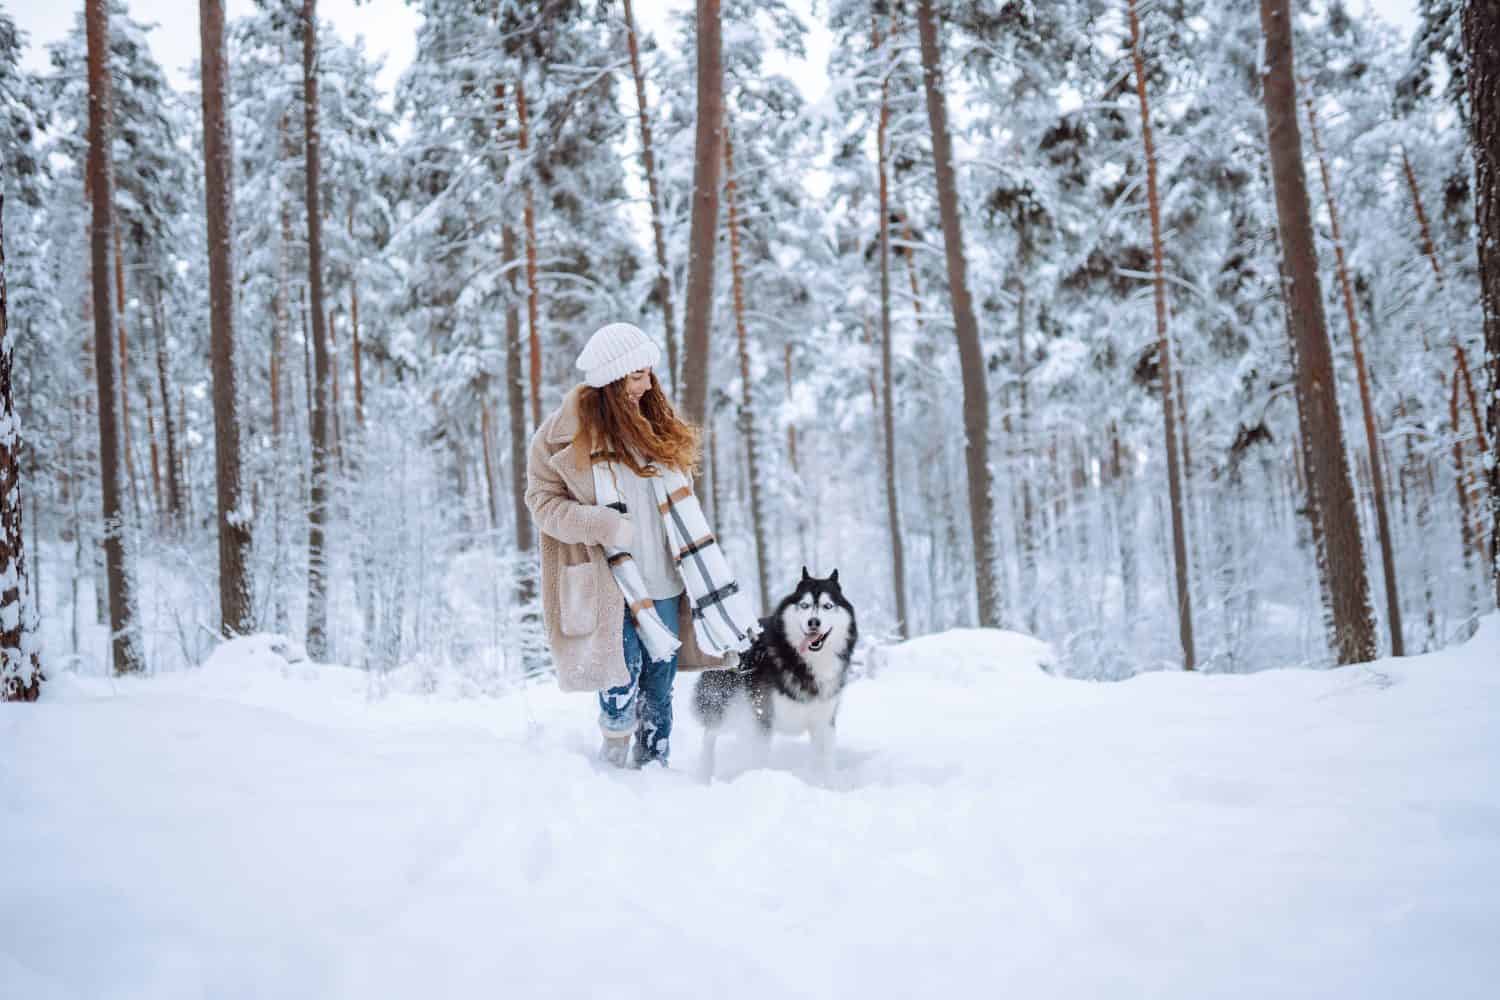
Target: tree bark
x=966, y=328
x=124, y=636
x=174, y=476
x=1481, y=31
x=236, y=613
x=1429, y=248
x=747, y=402
x=892, y=495
x=533, y=299
x=317, y=584
x=1164, y=348
x=887, y=383
x=20, y=652
x=658, y=230
x=708, y=154
x=120, y=300
x=1366, y=400
x=1312, y=357
x=1471, y=544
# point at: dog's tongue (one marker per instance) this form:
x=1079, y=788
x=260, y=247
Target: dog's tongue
x=808, y=638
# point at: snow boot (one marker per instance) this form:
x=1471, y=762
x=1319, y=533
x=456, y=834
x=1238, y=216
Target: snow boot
x=616, y=751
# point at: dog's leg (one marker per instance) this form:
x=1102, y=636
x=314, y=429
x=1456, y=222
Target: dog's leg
x=706, y=761
x=822, y=743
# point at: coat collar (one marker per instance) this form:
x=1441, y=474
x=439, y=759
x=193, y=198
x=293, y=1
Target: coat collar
x=565, y=425
x=575, y=471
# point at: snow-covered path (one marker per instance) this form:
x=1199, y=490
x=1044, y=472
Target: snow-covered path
x=253, y=830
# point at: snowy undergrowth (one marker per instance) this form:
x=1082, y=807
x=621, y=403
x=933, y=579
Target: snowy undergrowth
x=260, y=827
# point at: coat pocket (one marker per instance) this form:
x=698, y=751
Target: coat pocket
x=579, y=600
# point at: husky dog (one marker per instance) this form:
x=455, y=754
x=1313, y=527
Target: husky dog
x=792, y=675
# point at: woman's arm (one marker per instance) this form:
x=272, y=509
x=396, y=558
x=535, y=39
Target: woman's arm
x=560, y=515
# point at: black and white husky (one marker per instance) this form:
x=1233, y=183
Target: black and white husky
x=791, y=677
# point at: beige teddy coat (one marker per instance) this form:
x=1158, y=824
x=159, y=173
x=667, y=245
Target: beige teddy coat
x=582, y=606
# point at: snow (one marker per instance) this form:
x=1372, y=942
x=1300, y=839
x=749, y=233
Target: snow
x=267, y=826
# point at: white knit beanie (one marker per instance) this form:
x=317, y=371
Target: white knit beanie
x=615, y=351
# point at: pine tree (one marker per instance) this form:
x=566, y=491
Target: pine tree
x=966, y=328
x=123, y=624
x=708, y=152
x=1164, y=340
x=322, y=418
x=1482, y=43
x=20, y=652
x=236, y=614
x=1329, y=490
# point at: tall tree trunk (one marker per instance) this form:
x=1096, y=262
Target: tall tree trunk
x=533, y=299
x=658, y=230
x=708, y=154
x=317, y=583
x=1429, y=248
x=120, y=301
x=892, y=495
x=747, y=402
x=1471, y=544
x=156, y=490
x=1367, y=405
x=1312, y=357
x=966, y=328
x=1481, y=31
x=1164, y=348
x=1027, y=563
x=174, y=471
x=280, y=334
x=515, y=387
x=235, y=610
x=124, y=629
x=20, y=651
x=1121, y=477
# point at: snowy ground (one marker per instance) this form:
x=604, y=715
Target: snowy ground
x=253, y=829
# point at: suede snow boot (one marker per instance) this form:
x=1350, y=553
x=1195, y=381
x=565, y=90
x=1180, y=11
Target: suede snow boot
x=616, y=751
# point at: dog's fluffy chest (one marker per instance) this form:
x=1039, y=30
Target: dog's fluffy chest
x=791, y=716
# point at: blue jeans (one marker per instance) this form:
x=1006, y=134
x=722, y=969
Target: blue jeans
x=644, y=705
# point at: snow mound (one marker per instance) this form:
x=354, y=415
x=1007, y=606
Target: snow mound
x=962, y=654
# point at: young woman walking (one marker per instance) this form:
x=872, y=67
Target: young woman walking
x=634, y=585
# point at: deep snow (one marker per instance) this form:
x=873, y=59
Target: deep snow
x=257, y=829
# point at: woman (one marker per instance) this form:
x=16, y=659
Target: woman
x=633, y=583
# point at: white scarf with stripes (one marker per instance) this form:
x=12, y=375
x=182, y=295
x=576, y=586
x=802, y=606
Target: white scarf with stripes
x=722, y=620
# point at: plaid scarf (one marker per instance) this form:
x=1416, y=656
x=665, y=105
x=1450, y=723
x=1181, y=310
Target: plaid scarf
x=721, y=620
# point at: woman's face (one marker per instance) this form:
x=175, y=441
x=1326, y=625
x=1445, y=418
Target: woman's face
x=636, y=384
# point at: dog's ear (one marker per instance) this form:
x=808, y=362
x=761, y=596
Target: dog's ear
x=805, y=575
x=833, y=577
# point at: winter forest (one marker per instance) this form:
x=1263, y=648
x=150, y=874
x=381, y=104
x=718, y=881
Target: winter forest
x=1174, y=355
x=1136, y=363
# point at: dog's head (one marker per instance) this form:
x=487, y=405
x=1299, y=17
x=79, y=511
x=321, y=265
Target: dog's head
x=816, y=615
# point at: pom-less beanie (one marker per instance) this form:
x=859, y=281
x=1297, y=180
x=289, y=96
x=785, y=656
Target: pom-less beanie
x=615, y=351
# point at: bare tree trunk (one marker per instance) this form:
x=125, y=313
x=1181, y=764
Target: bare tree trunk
x=156, y=490
x=515, y=397
x=124, y=629
x=1121, y=476
x=1367, y=405
x=317, y=583
x=747, y=402
x=533, y=299
x=20, y=651
x=1312, y=356
x=235, y=609
x=1481, y=30
x=1429, y=247
x=174, y=478
x=1028, y=562
x=1164, y=348
x=708, y=155
x=1471, y=544
x=966, y=328
x=892, y=494
x=120, y=301
x=648, y=159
